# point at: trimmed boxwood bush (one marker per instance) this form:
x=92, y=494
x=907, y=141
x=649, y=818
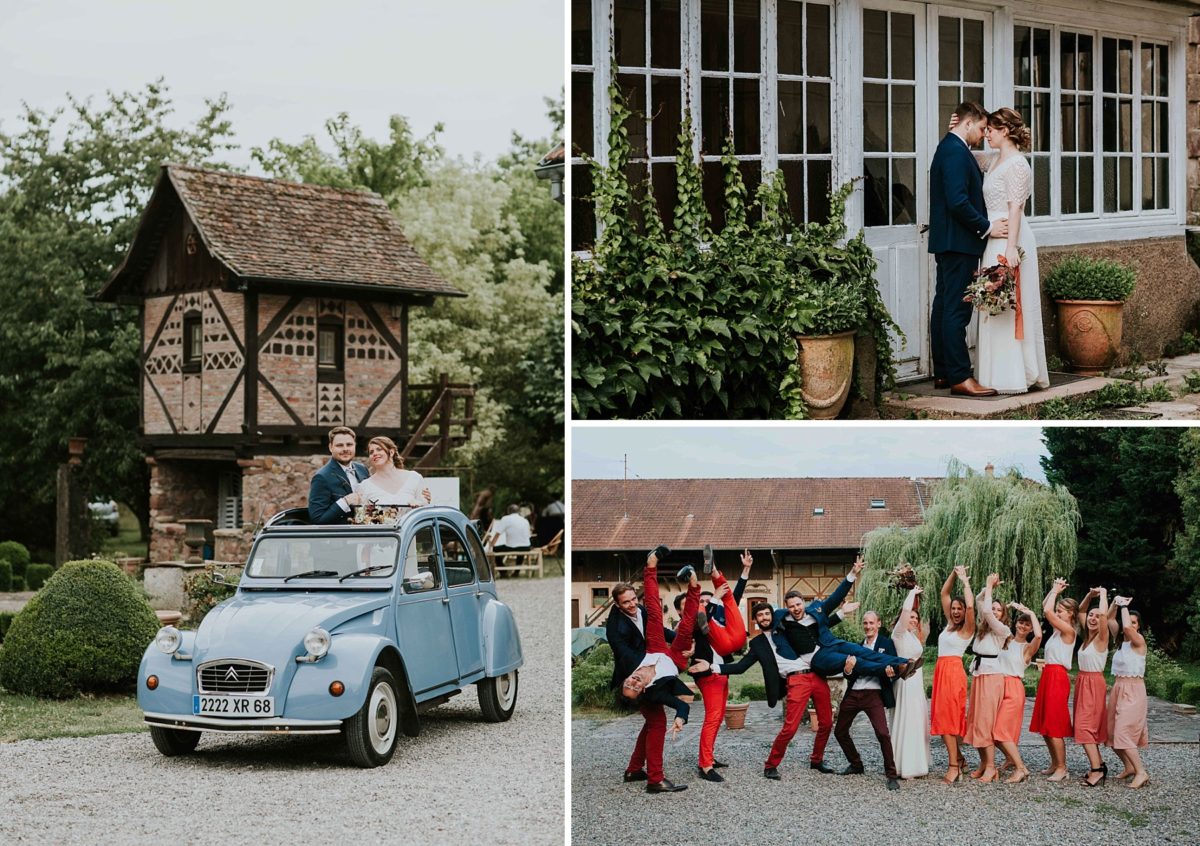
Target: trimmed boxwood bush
x=6, y=576
x=1190, y=693
x=85, y=631
x=1172, y=687
x=6, y=618
x=754, y=692
x=37, y=575
x=1080, y=278
x=18, y=584
x=15, y=554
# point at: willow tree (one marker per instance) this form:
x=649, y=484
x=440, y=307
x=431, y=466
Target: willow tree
x=1006, y=524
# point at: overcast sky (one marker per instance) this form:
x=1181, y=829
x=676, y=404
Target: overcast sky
x=658, y=452
x=481, y=67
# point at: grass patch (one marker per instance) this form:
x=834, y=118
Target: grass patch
x=127, y=543
x=1110, y=397
x=29, y=718
x=1136, y=820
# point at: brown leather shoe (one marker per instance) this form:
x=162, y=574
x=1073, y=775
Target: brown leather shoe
x=941, y=384
x=970, y=388
x=664, y=786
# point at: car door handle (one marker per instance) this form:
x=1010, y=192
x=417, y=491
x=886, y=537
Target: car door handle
x=445, y=600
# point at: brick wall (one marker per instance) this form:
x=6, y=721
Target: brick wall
x=224, y=329
x=371, y=364
x=163, y=376
x=288, y=360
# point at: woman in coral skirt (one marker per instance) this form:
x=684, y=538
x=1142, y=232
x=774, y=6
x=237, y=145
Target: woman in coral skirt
x=1091, y=719
x=1127, y=730
x=1014, y=660
x=987, y=683
x=948, y=705
x=1051, y=716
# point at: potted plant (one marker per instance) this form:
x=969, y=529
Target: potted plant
x=735, y=711
x=1090, y=296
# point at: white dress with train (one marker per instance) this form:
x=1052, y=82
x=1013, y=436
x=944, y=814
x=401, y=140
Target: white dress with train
x=909, y=720
x=1003, y=362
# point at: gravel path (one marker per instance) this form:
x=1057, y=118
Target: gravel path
x=747, y=808
x=461, y=780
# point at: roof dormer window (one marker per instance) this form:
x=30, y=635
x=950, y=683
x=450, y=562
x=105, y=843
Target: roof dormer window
x=878, y=503
x=818, y=512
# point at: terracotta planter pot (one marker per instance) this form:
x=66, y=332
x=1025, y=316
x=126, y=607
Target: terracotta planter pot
x=735, y=715
x=1089, y=333
x=826, y=366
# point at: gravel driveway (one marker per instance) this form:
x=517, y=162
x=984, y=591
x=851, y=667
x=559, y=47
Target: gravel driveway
x=808, y=807
x=461, y=780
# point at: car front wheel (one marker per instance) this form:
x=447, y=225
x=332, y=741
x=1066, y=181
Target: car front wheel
x=498, y=697
x=371, y=733
x=172, y=742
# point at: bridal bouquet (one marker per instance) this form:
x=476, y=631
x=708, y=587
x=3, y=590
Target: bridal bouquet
x=375, y=515
x=994, y=289
x=902, y=578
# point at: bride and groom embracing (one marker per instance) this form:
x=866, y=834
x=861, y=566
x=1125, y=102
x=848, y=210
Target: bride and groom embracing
x=344, y=483
x=977, y=202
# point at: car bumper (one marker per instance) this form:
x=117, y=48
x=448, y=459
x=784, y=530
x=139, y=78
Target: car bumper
x=265, y=725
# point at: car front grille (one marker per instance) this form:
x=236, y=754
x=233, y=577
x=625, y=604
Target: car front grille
x=234, y=677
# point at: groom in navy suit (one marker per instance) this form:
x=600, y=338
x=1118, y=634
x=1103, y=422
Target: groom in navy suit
x=336, y=480
x=958, y=230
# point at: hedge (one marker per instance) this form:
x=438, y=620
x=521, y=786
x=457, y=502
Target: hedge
x=6, y=576
x=16, y=554
x=84, y=631
x=37, y=575
x=6, y=618
x=591, y=677
x=755, y=692
x=1190, y=693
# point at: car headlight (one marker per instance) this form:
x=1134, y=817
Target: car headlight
x=169, y=639
x=317, y=642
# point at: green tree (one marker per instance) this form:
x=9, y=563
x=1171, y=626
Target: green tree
x=1124, y=479
x=72, y=183
x=491, y=230
x=1006, y=524
x=1186, y=563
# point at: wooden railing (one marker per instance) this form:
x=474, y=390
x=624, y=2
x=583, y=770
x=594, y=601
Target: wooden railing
x=447, y=422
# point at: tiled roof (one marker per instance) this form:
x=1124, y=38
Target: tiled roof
x=609, y=514
x=557, y=156
x=270, y=229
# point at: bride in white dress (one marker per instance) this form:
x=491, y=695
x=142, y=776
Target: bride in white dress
x=1003, y=361
x=389, y=483
x=909, y=720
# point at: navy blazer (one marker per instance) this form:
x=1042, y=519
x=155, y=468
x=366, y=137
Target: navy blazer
x=330, y=484
x=667, y=692
x=822, y=611
x=883, y=644
x=958, y=218
x=759, y=652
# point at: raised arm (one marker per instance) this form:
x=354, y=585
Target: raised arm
x=945, y=594
x=831, y=602
x=985, y=608
x=1084, y=605
x=902, y=618
x=1131, y=632
x=1113, y=625
x=1102, y=633
x=968, y=606
x=740, y=587
x=1061, y=626
x=1031, y=648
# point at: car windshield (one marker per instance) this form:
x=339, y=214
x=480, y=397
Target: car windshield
x=323, y=558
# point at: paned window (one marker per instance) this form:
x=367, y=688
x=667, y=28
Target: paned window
x=890, y=118
x=193, y=342
x=1033, y=88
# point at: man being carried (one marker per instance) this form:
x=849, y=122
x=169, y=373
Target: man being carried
x=655, y=683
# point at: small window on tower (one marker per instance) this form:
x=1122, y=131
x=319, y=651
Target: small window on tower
x=193, y=343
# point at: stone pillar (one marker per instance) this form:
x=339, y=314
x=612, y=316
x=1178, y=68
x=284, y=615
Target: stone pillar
x=1193, y=121
x=72, y=527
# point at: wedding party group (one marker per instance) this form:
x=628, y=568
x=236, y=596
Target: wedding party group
x=976, y=216
x=799, y=653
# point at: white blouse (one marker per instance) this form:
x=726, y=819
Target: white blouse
x=1058, y=652
x=1126, y=662
x=1091, y=659
x=950, y=643
x=1012, y=659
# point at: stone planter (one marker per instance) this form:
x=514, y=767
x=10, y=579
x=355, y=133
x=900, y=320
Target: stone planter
x=735, y=715
x=826, y=367
x=195, y=538
x=131, y=566
x=1089, y=334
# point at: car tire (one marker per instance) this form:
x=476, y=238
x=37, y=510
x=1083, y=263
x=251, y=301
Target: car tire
x=371, y=734
x=498, y=697
x=172, y=742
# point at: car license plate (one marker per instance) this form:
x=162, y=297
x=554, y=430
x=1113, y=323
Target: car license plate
x=233, y=706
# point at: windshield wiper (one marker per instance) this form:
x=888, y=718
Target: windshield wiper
x=312, y=573
x=365, y=570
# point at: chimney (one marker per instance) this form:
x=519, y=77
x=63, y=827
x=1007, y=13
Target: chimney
x=990, y=470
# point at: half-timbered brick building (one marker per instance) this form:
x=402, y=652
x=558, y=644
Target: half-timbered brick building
x=270, y=312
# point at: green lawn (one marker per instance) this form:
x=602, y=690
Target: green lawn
x=30, y=718
x=128, y=542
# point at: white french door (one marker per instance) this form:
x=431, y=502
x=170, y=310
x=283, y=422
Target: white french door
x=918, y=62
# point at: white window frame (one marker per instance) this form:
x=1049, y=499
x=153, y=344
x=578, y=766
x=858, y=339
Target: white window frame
x=1098, y=226
x=691, y=72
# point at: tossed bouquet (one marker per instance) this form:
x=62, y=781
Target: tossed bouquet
x=994, y=289
x=902, y=578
